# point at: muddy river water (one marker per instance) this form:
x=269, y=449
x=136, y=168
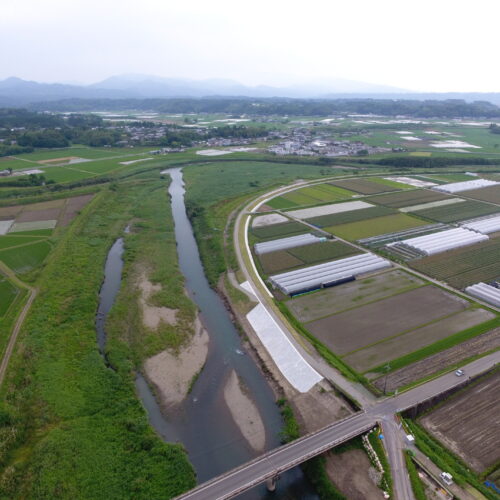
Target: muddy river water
x=203, y=422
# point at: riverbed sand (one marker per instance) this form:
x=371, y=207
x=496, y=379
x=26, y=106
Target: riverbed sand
x=245, y=413
x=171, y=375
x=152, y=316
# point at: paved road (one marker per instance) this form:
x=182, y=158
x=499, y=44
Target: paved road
x=281, y=459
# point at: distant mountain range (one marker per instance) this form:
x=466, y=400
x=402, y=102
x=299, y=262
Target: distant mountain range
x=17, y=92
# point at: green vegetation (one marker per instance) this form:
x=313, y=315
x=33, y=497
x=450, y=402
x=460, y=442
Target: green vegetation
x=373, y=227
x=279, y=230
x=327, y=250
x=407, y=198
x=71, y=427
x=310, y=195
x=386, y=480
x=14, y=241
x=446, y=461
x=416, y=484
x=150, y=255
x=25, y=258
x=8, y=293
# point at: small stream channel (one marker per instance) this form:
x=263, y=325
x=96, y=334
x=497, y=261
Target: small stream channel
x=203, y=423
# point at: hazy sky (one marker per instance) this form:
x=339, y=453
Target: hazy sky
x=424, y=45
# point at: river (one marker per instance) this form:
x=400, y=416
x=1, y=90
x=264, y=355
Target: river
x=203, y=423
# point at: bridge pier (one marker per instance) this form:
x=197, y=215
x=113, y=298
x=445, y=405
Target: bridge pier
x=271, y=483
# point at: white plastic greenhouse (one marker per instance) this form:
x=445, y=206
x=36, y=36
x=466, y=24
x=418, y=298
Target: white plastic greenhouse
x=444, y=240
x=485, y=292
x=284, y=243
x=327, y=274
x=456, y=187
x=484, y=226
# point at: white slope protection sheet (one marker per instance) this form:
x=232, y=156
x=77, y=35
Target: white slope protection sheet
x=5, y=226
x=457, y=187
x=335, y=208
x=248, y=287
x=484, y=226
x=289, y=361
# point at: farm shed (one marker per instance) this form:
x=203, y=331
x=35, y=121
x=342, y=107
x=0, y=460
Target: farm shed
x=444, y=240
x=485, y=292
x=328, y=274
x=484, y=226
x=456, y=187
x=284, y=243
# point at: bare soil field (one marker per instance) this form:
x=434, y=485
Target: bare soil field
x=393, y=348
x=73, y=207
x=360, y=327
x=491, y=194
x=364, y=186
x=10, y=212
x=354, y=294
x=275, y=262
x=407, y=198
x=437, y=362
x=353, y=474
x=469, y=423
x=32, y=216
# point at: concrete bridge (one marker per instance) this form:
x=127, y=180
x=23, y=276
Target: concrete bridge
x=267, y=467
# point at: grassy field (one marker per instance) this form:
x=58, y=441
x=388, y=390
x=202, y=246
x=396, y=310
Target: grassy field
x=311, y=195
x=455, y=212
x=351, y=216
x=25, y=258
x=464, y=266
x=8, y=241
x=71, y=427
x=407, y=198
x=373, y=227
x=8, y=293
x=364, y=186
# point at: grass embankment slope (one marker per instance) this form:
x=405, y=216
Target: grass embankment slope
x=70, y=426
x=216, y=189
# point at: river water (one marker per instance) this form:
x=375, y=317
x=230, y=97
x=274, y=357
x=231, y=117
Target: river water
x=203, y=423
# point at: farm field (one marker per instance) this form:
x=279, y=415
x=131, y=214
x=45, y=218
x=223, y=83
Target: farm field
x=310, y=195
x=449, y=358
x=463, y=266
x=451, y=421
x=453, y=213
x=381, y=353
x=373, y=227
x=357, y=328
x=280, y=261
x=407, y=198
x=351, y=295
x=25, y=258
x=447, y=178
x=276, y=231
x=491, y=194
x=365, y=186
x=16, y=240
x=8, y=293
x=352, y=216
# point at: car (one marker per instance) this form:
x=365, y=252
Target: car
x=459, y=373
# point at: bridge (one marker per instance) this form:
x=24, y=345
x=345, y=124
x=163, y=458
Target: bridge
x=269, y=465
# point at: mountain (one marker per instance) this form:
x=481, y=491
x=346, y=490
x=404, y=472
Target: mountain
x=17, y=92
